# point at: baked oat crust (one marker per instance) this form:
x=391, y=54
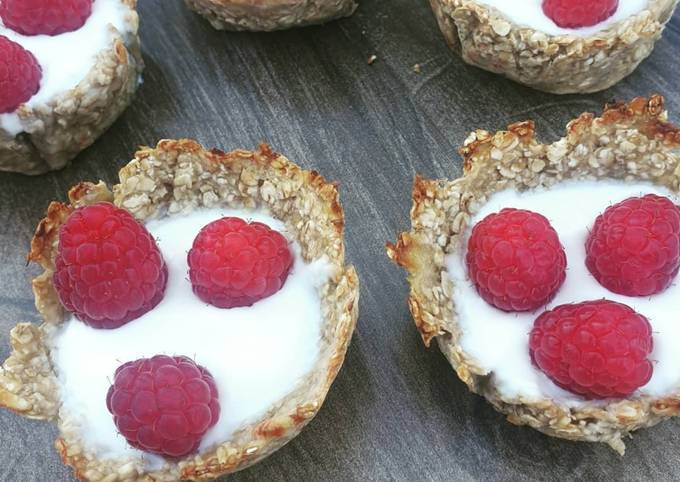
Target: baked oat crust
x=268, y=15
x=630, y=141
x=176, y=177
x=57, y=131
x=563, y=64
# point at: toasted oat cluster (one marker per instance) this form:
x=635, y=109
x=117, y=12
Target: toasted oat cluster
x=176, y=178
x=560, y=64
x=270, y=15
x=629, y=142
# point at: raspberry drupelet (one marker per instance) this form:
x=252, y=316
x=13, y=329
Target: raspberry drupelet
x=596, y=349
x=515, y=260
x=163, y=405
x=108, y=269
x=233, y=263
x=634, y=247
x=44, y=17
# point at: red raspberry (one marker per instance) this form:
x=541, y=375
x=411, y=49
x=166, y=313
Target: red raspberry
x=596, y=349
x=163, y=405
x=579, y=13
x=44, y=17
x=20, y=75
x=109, y=270
x=234, y=263
x=515, y=260
x=634, y=247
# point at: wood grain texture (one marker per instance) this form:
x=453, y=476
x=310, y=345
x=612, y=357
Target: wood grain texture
x=396, y=411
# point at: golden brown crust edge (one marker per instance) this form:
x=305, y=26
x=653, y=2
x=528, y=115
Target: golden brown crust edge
x=178, y=176
x=269, y=15
x=484, y=37
x=628, y=142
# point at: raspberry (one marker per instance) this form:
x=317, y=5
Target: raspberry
x=596, y=349
x=20, y=75
x=634, y=247
x=234, y=263
x=44, y=17
x=109, y=269
x=579, y=13
x=515, y=260
x=163, y=405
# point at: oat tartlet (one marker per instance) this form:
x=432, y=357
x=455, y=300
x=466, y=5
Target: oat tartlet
x=177, y=177
x=52, y=133
x=268, y=15
x=560, y=64
x=629, y=142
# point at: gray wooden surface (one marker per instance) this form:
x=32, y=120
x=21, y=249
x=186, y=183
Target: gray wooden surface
x=396, y=411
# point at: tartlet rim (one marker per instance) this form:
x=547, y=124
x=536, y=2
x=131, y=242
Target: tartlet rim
x=270, y=15
x=493, y=12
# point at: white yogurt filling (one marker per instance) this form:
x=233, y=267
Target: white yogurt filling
x=499, y=341
x=66, y=59
x=529, y=13
x=257, y=354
